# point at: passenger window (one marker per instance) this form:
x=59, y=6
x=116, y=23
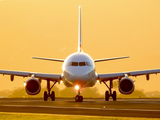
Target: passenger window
x=82, y=64
x=74, y=63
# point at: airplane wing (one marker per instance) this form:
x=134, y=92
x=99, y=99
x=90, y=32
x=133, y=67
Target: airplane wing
x=112, y=76
x=51, y=77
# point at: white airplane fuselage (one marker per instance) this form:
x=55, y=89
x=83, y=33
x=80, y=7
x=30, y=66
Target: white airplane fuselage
x=79, y=69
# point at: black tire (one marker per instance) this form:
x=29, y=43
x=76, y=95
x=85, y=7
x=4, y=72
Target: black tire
x=106, y=96
x=77, y=98
x=45, y=95
x=53, y=96
x=114, y=96
x=80, y=98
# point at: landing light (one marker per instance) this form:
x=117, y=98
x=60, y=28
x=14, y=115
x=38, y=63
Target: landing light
x=61, y=81
x=77, y=87
x=24, y=84
x=97, y=81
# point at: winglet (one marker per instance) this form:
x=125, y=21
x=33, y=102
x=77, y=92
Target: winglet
x=79, y=33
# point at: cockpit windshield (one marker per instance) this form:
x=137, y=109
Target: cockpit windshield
x=79, y=64
x=82, y=64
x=74, y=64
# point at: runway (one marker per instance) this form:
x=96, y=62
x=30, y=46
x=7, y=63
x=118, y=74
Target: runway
x=148, y=108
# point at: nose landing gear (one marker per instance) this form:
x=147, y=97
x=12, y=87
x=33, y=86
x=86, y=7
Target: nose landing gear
x=79, y=98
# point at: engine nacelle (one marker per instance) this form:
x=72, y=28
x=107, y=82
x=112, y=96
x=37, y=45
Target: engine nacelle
x=126, y=85
x=32, y=86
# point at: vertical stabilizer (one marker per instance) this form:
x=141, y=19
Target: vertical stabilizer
x=79, y=32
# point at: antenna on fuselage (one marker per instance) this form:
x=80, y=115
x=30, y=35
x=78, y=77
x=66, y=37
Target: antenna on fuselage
x=79, y=33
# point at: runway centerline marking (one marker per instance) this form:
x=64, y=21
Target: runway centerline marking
x=107, y=109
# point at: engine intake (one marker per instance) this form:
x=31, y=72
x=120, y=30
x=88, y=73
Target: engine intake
x=126, y=85
x=32, y=86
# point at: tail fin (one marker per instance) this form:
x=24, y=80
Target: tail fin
x=79, y=33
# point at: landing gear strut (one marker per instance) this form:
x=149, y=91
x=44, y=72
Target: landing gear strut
x=49, y=94
x=79, y=98
x=109, y=93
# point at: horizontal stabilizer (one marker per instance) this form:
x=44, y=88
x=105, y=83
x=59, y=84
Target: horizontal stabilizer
x=51, y=59
x=107, y=59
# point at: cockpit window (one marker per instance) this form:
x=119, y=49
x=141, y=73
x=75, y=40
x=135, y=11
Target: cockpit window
x=88, y=64
x=82, y=63
x=74, y=64
x=78, y=64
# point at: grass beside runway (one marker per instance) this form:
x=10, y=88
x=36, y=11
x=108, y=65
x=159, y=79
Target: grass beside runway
x=35, y=116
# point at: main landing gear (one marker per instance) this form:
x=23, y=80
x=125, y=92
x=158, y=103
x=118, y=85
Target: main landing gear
x=50, y=93
x=79, y=98
x=109, y=93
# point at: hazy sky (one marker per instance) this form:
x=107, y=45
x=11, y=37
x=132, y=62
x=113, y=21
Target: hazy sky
x=110, y=28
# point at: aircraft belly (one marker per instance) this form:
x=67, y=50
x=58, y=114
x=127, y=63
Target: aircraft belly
x=84, y=81
x=67, y=84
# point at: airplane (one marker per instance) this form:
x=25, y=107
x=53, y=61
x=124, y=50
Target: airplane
x=79, y=72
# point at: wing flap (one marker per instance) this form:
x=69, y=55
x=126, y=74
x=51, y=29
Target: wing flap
x=48, y=76
x=51, y=77
x=144, y=72
x=17, y=73
x=109, y=76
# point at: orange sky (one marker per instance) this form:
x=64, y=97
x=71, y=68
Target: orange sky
x=110, y=28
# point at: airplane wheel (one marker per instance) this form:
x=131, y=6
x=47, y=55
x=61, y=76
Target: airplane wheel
x=114, y=96
x=79, y=98
x=45, y=96
x=106, y=96
x=53, y=96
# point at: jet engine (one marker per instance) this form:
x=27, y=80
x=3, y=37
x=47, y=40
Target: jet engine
x=126, y=85
x=32, y=86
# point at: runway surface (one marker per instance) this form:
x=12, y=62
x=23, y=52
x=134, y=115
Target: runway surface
x=148, y=108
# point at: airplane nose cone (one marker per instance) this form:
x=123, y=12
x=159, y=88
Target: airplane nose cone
x=78, y=72
x=78, y=76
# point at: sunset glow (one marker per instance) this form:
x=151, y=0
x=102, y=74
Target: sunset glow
x=110, y=28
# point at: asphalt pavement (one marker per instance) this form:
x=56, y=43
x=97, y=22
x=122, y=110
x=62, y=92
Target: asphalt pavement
x=147, y=108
